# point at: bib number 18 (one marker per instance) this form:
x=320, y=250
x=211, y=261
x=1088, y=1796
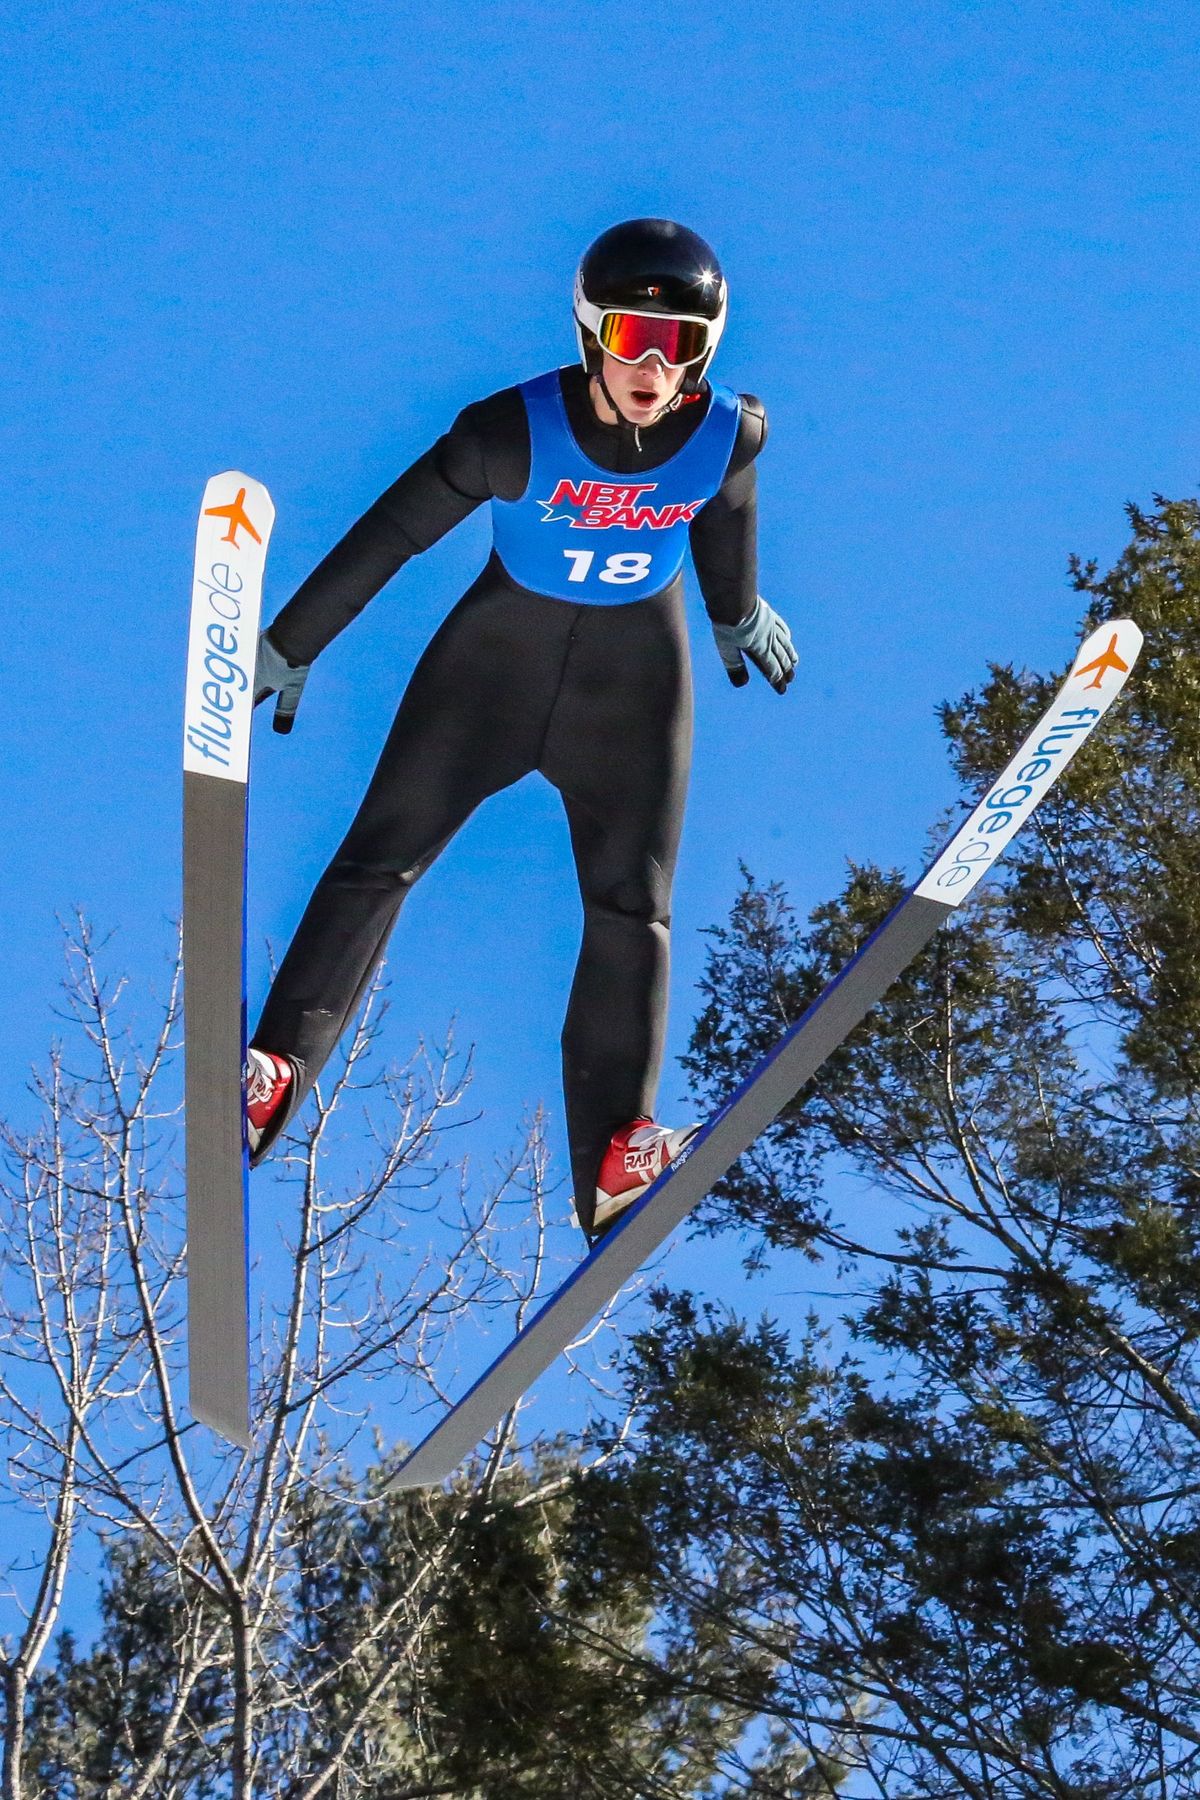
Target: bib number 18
x=629, y=565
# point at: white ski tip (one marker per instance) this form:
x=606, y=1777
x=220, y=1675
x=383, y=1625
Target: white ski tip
x=236, y=516
x=1098, y=674
x=1107, y=656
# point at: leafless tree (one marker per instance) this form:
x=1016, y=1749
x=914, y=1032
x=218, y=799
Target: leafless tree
x=362, y=1302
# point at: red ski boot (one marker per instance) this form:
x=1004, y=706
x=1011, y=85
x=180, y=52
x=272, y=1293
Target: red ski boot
x=637, y=1156
x=268, y=1081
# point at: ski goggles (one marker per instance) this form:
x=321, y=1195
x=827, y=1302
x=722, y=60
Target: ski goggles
x=631, y=337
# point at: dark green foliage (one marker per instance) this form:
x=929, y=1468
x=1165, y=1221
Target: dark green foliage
x=987, y=1520
x=97, y=1719
x=504, y=1664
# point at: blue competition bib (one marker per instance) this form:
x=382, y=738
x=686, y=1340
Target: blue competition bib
x=580, y=532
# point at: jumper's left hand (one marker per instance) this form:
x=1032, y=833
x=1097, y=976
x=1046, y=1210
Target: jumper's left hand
x=765, y=639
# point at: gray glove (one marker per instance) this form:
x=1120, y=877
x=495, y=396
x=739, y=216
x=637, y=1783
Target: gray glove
x=765, y=639
x=274, y=674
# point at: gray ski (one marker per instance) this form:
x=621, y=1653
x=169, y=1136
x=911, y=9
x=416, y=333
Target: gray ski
x=1106, y=656
x=231, y=548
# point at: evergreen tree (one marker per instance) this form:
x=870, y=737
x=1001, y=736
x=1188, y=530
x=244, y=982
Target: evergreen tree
x=983, y=1520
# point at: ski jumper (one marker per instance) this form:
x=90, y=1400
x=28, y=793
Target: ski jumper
x=568, y=656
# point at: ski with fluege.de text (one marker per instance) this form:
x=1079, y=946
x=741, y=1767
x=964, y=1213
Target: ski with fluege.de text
x=236, y=517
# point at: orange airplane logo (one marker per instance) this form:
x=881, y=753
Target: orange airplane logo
x=1107, y=660
x=235, y=512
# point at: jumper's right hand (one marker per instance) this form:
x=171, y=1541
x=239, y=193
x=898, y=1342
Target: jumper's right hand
x=274, y=674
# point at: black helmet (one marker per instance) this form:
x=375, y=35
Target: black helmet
x=646, y=268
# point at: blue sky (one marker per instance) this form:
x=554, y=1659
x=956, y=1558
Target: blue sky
x=962, y=248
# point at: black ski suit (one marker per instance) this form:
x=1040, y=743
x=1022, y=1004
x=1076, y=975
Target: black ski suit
x=596, y=698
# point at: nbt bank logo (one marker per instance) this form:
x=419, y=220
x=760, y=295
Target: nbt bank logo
x=597, y=505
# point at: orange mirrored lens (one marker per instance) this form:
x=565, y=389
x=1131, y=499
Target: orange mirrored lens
x=631, y=336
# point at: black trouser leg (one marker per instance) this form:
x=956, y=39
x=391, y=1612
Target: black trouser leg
x=612, y=1041
x=331, y=959
x=619, y=750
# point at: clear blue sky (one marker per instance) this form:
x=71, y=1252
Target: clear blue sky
x=962, y=248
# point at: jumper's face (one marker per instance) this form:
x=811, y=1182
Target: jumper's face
x=641, y=390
